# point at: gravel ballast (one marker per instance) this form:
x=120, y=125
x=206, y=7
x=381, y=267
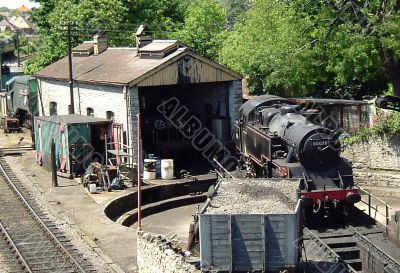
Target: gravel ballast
x=254, y=196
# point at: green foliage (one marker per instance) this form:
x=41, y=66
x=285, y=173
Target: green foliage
x=384, y=125
x=28, y=45
x=123, y=17
x=7, y=34
x=265, y=46
x=315, y=48
x=204, y=27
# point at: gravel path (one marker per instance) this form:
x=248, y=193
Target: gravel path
x=254, y=196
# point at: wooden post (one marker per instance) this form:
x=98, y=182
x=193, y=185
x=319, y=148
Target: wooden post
x=369, y=204
x=387, y=215
x=139, y=182
x=53, y=164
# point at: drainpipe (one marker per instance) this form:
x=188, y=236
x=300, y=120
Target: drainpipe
x=125, y=91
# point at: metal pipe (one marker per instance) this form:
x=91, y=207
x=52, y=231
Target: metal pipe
x=139, y=182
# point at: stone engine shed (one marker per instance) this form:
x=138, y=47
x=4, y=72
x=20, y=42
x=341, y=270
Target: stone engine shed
x=119, y=83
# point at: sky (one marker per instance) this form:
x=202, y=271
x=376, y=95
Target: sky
x=13, y=4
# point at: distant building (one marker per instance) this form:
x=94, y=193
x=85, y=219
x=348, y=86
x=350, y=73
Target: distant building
x=21, y=23
x=23, y=9
x=5, y=25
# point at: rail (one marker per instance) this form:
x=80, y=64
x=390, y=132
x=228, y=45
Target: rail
x=384, y=257
x=225, y=171
x=40, y=221
x=16, y=250
x=371, y=207
x=329, y=250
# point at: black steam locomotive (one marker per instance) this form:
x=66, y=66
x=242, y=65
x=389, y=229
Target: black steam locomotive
x=278, y=138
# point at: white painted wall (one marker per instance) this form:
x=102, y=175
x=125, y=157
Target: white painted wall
x=101, y=98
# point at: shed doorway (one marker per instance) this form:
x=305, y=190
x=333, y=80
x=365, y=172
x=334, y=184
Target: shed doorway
x=161, y=133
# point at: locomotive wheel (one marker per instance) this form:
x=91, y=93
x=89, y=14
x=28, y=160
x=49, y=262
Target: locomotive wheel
x=27, y=123
x=250, y=170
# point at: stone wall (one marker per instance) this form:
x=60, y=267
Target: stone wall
x=393, y=229
x=376, y=162
x=155, y=255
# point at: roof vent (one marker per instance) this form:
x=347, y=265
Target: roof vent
x=83, y=50
x=143, y=36
x=158, y=49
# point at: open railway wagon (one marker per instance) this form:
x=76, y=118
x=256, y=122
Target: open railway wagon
x=251, y=225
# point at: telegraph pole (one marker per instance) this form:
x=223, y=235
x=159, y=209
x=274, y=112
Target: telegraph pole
x=71, y=80
x=1, y=68
x=18, y=56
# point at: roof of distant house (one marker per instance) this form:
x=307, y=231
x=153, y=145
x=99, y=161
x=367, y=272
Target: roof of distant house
x=120, y=66
x=20, y=22
x=23, y=9
x=5, y=22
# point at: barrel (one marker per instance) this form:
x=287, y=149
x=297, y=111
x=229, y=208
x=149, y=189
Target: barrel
x=158, y=164
x=149, y=169
x=167, y=169
x=92, y=188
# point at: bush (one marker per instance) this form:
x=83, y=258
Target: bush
x=383, y=125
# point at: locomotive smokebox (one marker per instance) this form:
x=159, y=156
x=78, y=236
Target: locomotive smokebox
x=316, y=147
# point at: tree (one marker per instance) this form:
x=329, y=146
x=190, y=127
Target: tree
x=316, y=47
x=379, y=22
x=120, y=19
x=235, y=9
x=204, y=27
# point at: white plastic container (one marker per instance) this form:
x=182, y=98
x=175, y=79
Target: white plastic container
x=167, y=169
x=93, y=188
x=149, y=172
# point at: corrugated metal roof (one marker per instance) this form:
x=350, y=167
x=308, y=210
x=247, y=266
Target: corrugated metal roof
x=117, y=66
x=73, y=119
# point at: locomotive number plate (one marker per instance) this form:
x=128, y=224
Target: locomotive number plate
x=320, y=142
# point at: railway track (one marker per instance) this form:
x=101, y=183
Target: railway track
x=15, y=151
x=8, y=258
x=342, y=241
x=34, y=240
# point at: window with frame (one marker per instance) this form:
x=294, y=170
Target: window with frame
x=110, y=115
x=90, y=112
x=53, y=108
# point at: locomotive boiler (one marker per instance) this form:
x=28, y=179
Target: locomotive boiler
x=278, y=138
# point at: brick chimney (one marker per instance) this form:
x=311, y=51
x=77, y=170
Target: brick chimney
x=100, y=43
